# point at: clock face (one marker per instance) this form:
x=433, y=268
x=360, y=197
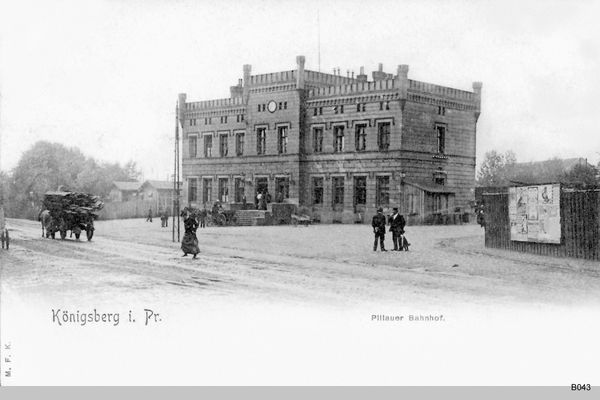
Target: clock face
x=272, y=106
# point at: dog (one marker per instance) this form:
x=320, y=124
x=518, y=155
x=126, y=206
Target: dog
x=404, y=243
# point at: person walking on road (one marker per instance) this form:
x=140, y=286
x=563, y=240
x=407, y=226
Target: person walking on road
x=397, y=224
x=378, y=224
x=189, y=244
x=149, y=219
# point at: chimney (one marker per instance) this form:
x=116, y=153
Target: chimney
x=477, y=90
x=247, y=71
x=300, y=60
x=362, y=77
x=402, y=80
x=379, y=75
x=182, y=97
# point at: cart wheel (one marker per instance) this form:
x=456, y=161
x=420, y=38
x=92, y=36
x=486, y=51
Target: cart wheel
x=63, y=234
x=221, y=220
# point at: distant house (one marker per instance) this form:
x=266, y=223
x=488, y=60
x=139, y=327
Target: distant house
x=161, y=193
x=564, y=166
x=124, y=191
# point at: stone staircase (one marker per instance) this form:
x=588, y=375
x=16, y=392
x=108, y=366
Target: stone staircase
x=252, y=217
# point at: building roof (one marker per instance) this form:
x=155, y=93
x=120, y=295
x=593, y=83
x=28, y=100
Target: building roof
x=127, y=186
x=567, y=163
x=159, y=185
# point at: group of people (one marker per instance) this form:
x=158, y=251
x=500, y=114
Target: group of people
x=261, y=200
x=164, y=218
x=397, y=224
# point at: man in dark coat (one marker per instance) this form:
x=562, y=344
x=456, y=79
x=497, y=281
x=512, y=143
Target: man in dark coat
x=397, y=224
x=378, y=224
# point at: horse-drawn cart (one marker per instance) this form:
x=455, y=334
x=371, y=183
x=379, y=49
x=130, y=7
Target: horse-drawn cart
x=69, y=211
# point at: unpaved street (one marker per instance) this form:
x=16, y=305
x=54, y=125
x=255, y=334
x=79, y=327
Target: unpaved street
x=286, y=305
x=324, y=265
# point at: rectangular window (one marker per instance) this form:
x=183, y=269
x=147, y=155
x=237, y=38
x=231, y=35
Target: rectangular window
x=364, y=107
x=224, y=190
x=239, y=190
x=193, y=144
x=282, y=189
x=318, y=191
x=441, y=138
x=208, y=146
x=281, y=105
x=360, y=190
x=338, y=139
x=358, y=107
x=315, y=111
x=259, y=108
x=261, y=140
x=223, y=150
x=361, y=137
x=193, y=190
x=207, y=191
x=318, y=140
x=282, y=135
x=285, y=105
x=383, y=191
x=239, y=143
x=342, y=109
x=384, y=136
x=338, y=190
x=320, y=110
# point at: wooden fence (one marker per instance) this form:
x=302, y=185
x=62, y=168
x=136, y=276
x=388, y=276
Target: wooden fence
x=579, y=218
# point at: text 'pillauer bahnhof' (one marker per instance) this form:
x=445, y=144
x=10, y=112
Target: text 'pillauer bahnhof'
x=341, y=146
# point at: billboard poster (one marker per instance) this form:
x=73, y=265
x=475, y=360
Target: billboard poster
x=534, y=213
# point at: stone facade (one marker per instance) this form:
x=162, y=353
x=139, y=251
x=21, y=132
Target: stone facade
x=341, y=146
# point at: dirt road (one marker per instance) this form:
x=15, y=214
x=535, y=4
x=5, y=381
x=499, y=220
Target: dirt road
x=325, y=265
x=293, y=306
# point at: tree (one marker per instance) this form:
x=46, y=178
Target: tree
x=581, y=177
x=47, y=166
x=496, y=168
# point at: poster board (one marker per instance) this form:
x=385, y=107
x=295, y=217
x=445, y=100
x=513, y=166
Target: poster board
x=534, y=213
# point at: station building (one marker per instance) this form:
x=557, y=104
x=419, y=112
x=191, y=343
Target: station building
x=340, y=146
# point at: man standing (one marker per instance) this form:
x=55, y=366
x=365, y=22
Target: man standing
x=397, y=224
x=378, y=224
x=149, y=219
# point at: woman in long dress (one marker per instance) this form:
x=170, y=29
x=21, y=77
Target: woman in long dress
x=189, y=244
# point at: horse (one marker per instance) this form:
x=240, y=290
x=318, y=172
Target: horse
x=46, y=219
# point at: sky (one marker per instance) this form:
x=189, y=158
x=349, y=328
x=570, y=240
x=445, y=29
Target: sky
x=104, y=76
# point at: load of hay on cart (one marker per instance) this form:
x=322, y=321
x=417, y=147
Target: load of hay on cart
x=71, y=211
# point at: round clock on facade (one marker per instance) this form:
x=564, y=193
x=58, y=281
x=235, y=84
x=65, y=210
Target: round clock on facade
x=272, y=106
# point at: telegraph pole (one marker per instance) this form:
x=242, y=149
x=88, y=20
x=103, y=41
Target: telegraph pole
x=176, y=176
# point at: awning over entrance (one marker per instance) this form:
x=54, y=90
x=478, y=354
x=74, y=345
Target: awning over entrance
x=430, y=187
